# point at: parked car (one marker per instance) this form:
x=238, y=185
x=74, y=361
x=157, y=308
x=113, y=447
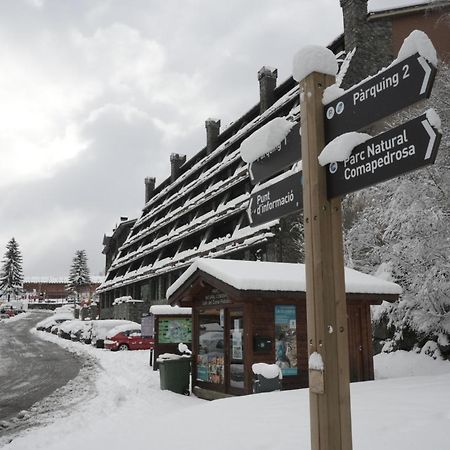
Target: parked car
x=127, y=337
x=100, y=329
x=49, y=322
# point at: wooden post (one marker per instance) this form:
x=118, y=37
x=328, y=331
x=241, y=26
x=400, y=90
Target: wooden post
x=325, y=297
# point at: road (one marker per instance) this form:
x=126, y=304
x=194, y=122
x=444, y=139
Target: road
x=30, y=368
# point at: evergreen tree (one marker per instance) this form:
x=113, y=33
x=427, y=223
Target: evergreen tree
x=79, y=276
x=11, y=277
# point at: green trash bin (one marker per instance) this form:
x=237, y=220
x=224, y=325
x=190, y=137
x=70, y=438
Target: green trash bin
x=174, y=373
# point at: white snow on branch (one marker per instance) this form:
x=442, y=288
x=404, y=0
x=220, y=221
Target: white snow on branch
x=313, y=58
x=418, y=42
x=266, y=139
x=316, y=362
x=340, y=148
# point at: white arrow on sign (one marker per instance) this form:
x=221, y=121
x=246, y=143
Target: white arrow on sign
x=429, y=129
x=426, y=67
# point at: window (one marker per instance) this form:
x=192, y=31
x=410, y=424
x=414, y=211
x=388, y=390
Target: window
x=211, y=354
x=286, y=339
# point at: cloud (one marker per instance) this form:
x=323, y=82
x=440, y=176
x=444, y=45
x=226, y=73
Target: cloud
x=95, y=95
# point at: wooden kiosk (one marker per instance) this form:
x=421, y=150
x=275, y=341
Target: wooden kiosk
x=246, y=312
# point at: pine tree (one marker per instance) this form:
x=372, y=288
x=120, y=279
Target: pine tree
x=11, y=277
x=79, y=276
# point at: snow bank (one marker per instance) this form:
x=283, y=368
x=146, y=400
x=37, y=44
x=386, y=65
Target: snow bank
x=313, y=58
x=408, y=364
x=129, y=410
x=265, y=139
x=341, y=147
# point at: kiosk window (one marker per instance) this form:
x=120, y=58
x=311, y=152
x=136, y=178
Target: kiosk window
x=210, y=358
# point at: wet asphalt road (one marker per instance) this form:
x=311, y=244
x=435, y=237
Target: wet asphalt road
x=30, y=368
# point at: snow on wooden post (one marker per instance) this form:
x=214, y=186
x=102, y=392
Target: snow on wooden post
x=315, y=69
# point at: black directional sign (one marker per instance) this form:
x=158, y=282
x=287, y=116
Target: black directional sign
x=402, y=149
x=286, y=154
x=389, y=91
x=278, y=200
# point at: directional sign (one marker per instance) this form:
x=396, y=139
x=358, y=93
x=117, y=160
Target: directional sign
x=286, y=154
x=276, y=201
x=402, y=149
x=389, y=91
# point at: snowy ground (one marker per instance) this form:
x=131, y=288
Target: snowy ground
x=407, y=408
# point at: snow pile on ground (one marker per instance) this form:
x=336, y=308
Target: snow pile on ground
x=130, y=411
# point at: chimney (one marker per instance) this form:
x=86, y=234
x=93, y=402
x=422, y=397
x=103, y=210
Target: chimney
x=359, y=33
x=212, y=134
x=149, y=188
x=123, y=219
x=267, y=77
x=176, y=161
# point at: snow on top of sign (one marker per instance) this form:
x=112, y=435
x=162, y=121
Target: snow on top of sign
x=267, y=370
x=434, y=119
x=418, y=42
x=167, y=310
x=316, y=362
x=266, y=139
x=270, y=276
x=332, y=93
x=313, y=58
x=340, y=148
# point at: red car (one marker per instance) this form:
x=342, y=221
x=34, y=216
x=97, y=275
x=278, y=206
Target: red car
x=127, y=337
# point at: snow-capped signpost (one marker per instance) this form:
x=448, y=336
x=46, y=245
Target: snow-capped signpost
x=353, y=160
x=269, y=150
x=402, y=149
x=284, y=155
x=329, y=380
x=400, y=85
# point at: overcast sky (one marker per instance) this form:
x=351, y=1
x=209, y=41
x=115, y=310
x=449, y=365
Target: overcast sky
x=95, y=95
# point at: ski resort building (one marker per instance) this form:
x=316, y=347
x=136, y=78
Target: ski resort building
x=200, y=210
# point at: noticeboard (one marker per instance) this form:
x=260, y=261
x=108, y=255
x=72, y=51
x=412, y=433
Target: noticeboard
x=173, y=330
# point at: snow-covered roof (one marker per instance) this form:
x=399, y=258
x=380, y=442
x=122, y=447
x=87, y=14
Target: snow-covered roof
x=167, y=310
x=387, y=5
x=59, y=280
x=269, y=276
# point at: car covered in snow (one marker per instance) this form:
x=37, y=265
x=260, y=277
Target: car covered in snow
x=49, y=322
x=75, y=330
x=100, y=328
x=127, y=337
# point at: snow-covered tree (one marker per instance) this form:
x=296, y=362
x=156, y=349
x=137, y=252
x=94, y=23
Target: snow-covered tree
x=11, y=277
x=404, y=225
x=79, y=276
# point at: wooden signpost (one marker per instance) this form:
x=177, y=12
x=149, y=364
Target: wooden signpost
x=407, y=147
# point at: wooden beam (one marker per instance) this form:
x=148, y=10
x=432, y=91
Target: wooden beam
x=330, y=415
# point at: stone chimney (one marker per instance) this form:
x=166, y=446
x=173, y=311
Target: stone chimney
x=372, y=41
x=212, y=134
x=149, y=188
x=123, y=219
x=176, y=161
x=267, y=77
